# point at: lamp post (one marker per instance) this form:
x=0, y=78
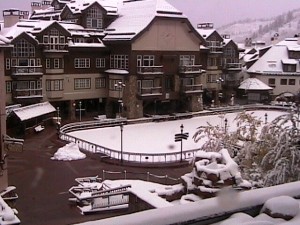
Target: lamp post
x=266, y=118
x=121, y=129
x=226, y=121
x=57, y=109
x=181, y=130
x=119, y=86
x=79, y=110
x=219, y=94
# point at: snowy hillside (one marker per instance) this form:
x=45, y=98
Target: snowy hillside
x=285, y=25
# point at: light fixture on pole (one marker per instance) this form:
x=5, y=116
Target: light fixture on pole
x=119, y=86
x=79, y=110
x=121, y=129
x=226, y=123
x=266, y=118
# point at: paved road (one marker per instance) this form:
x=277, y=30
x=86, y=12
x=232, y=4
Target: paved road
x=42, y=184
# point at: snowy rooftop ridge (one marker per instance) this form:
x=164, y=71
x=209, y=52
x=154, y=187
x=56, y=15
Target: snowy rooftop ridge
x=32, y=111
x=254, y=84
x=135, y=16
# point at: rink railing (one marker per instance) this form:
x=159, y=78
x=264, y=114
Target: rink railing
x=144, y=158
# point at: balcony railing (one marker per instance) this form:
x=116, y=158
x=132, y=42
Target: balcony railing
x=55, y=47
x=196, y=88
x=150, y=91
x=233, y=66
x=27, y=93
x=150, y=70
x=27, y=70
x=190, y=69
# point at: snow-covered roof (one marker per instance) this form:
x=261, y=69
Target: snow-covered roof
x=254, y=84
x=77, y=6
x=135, y=16
x=33, y=27
x=290, y=61
x=35, y=110
x=205, y=33
x=271, y=61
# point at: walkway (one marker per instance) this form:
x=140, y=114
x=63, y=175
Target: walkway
x=42, y=184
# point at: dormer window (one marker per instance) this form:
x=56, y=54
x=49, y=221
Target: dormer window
x=94, y=18
x=289, y=65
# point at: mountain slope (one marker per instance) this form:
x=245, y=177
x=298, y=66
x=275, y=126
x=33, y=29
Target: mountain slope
x=283, y=26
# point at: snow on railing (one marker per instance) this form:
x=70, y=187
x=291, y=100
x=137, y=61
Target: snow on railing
x=145, y=158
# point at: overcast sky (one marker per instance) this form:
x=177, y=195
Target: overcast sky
x=219, y=12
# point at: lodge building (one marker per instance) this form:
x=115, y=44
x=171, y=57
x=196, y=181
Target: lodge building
x=128, y=58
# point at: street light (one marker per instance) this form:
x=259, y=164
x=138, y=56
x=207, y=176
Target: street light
x=226, y=121
x=120, y=85
x=80, y=111
x=219, y=94
x=266, y=118
x=181, y=129
x=121, y=129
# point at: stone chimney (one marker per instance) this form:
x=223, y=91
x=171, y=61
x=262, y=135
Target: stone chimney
x=11, y=17
x=35, y=6
x=205, y=26
x=46, y=4
x=24, y=14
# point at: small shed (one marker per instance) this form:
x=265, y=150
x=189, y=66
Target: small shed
x=256, y=90
x=26, y=118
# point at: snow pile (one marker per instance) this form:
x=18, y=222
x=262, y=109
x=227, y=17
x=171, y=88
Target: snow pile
x=213, y=171
x=275, y=211
x=68, y=152
x=281, y=207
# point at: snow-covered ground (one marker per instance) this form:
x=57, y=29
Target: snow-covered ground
x=159, y=137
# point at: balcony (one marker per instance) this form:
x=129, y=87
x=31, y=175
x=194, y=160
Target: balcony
x=56, y=48
x=27, y=70
x=150, y=70
x=192, y=89
x=190, y=69
x=28, y=93
x=233, y=66
x=150, y=91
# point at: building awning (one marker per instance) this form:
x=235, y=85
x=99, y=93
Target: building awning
x=33, y=111
x=252, y=84
x=117, y=71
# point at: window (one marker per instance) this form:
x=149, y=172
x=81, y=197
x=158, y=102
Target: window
x=7, y=63
x=229, y=52
x=187, y=81
x=112, y=84
x=185, y=60
x=119, y=61
x=48, y=64
x=54, y=85
x=292, y=81
x=212, y=61
x=212, y=78
x=168, y=83
x=94, y=18
x=82, y=83
x=56, y=63
x=283, y=81
x=148, y=60
x=271, y=82
x=23, y=49
x=82, y=63
x=100, y=82
x=8, y=86
x=100, y=62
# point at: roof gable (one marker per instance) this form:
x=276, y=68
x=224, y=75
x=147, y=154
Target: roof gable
x=136, y=16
